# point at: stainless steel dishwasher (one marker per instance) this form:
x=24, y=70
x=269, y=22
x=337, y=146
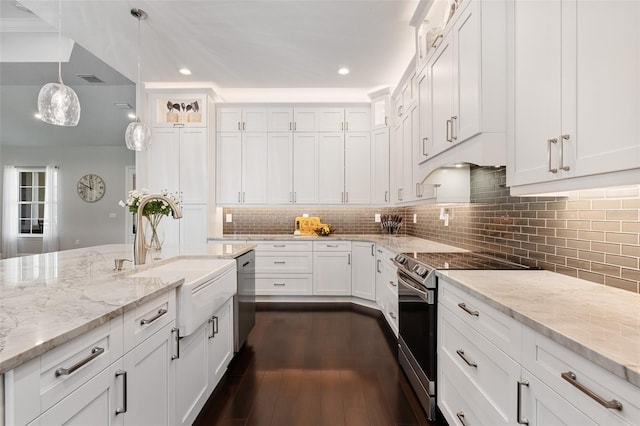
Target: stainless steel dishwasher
x=244, y=302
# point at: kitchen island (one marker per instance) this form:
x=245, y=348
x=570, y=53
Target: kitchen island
x=48, y=299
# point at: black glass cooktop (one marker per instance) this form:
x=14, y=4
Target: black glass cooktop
x=466, y=260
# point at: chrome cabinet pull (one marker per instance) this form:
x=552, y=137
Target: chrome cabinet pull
x=95, y=352
x=386, y=196
x=295, y=125
x=424, y=147
x=454, y=134
x=392, y=315
x=346, y=197
x=346, y=125
x=160, y=313
x=279, y=245
x=244, y=126
x=435, y=41
x=342, y=125
x=378, y=266
x=549, y=142
x=239, y=199
x=461, y=354
x=279, y=284
x=386, y=120
x=460, y=416
x=570, y=377
x=124, y=392
x=372, y=253
x=521, y=420
x=449, y=139
x=332, y=245
x=239, y=126
x=463, y=306
x=418, y=192
x=393, y=284
x=348, y=258
x=291, y=197
x=295, y=197
x=243, y=196
x=177, y=354
x=562, y=166
x=290, y=126
x=279, y=262
x=400, y=110
x=213, y=330
x=216, y=330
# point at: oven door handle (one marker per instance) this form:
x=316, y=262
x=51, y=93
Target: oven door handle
x=427, y=297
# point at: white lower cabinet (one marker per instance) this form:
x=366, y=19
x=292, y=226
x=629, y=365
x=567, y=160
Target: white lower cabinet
x=284, y=268
x=220, y=343
x=332, y=268
x=190, y=378
x=387, y=287
x=494, y=370
x=363, y=274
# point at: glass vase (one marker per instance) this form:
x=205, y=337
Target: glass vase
x=154, y=232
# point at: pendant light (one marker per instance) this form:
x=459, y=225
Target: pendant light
x=58, y=104
x=138, y=134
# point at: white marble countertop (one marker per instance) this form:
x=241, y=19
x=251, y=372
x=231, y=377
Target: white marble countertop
x=597, y=322
x=48, y=299
x=397, y=244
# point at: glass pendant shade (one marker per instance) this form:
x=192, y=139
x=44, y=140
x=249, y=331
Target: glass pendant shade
x=58, y=104
x=138, y=136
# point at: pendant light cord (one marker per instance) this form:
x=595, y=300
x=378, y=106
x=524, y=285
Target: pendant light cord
x=60, y=41
x=138, y=83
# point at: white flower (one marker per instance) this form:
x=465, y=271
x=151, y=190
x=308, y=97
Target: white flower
x=122, y=204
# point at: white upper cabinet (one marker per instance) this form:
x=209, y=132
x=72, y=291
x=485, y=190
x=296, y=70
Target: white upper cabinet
x=380, y=166
x=357, y=119
x=380, y=112
x=331, y=120
x=229, y=179
x=305, y=119
x=440, y=109
x=242, y=168
x=280, y=168
x=574, y=95
x=331, y=168
x=280, y=119
x=305, y=168
x=246, y=119
x=193, y=166
x=357, y=168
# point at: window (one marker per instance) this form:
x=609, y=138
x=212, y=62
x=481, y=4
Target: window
x=31, y=189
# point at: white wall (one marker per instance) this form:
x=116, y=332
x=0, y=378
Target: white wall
x=87, y=223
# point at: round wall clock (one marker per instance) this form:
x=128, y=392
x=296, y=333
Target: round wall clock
x=91, y=188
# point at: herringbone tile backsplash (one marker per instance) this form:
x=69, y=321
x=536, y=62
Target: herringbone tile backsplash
x=592, y=235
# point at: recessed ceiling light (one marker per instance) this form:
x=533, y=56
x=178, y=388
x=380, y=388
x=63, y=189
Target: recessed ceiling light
x=37, y=115
x=343, y=71
x=131, y=116
x=185, y=71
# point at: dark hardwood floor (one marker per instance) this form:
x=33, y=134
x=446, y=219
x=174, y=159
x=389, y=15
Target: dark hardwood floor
x=318, y=367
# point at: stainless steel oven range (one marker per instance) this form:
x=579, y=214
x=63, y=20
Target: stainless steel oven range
x=417, y=309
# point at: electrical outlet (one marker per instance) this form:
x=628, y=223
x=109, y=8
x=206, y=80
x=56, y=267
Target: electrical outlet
x=229, y=217
x=415, y=218
x=376, y=218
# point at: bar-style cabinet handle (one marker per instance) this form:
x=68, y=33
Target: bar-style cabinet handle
x=562, y=166
x=549, y=142
x=454, y=134
x=124, y=392
x=460, y=416
x=519, y=418
x=378, y=265
x=145, y=321
x=463, y=306
x=570, y=377
x=435, y=41
x=95, y=352
x=424, y=147
x=239, y=128
x=461, y=354
x=177, y=354
x=449, y=139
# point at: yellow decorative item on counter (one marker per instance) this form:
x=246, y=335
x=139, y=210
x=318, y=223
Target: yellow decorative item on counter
x=308, y=225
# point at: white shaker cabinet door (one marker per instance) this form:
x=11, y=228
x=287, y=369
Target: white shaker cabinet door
x=280, y=119
x=363, y=272
x=606, y=134
x=538, y=90
x=254, y=119
x=380, y=166
x=332, y=273
x=357, y=119
x=193, y=165
x=441, y=93
x=163, y=156
x=305, y=168
x=221, y=343
x=192, y=380
x=229, y=161
x=331, y=120
x=357, y=168
x=254, y=168
x=331, y=168
x=194, y=224
x=280, y=168
x=229, y=119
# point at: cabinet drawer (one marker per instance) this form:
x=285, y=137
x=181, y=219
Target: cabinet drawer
x=143, y=321
x=283, y=246
x=384, y=254
x=548, y=360
x=500, y=329
x=492, y=372
x=459, y=397
x=40, y=383
x=289, y=285
x=332, y=246
x=285, y=262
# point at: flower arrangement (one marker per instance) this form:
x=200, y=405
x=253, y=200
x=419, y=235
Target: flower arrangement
x=154, y=211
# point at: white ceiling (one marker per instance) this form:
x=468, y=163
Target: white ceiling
x=240, y=44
